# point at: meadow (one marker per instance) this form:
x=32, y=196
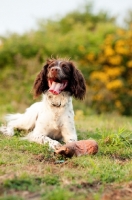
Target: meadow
x=32, y=171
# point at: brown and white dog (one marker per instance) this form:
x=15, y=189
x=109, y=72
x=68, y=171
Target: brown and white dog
x=52, y=119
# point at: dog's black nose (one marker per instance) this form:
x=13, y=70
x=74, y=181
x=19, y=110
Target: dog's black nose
x=55, y=69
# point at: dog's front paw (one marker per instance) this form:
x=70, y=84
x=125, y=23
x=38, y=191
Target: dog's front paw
x=54, y=144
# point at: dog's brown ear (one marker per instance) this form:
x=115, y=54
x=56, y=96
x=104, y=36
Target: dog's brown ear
x=77, y=83
x=41, y=84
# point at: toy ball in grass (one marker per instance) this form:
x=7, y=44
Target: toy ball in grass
x=78, y=148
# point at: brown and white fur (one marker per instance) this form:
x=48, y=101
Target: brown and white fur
x=52, y=119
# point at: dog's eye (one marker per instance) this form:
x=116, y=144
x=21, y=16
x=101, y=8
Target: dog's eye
x=64, y=66
x=49, y=67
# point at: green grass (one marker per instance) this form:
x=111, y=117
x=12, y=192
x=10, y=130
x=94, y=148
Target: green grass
x=31, y=171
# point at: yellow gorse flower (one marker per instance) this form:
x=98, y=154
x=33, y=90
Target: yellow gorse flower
x=115, y=60
x=121, y=47
x=99, y=76
x=113, y=72
x=108, y=51
x=129, y=63
x=108, y=39
x=115, y=84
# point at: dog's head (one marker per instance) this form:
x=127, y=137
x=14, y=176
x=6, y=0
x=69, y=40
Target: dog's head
x=60, y=75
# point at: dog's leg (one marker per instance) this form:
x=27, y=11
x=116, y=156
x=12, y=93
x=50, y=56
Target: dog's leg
x=68, y=131
x=42, y=139
x=23, y=121
x=69, y=135
x=26, y=120
x=18, y=121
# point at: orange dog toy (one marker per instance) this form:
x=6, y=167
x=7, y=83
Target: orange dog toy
x=78, y=148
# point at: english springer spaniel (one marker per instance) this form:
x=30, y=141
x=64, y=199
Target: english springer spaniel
x=52, y=119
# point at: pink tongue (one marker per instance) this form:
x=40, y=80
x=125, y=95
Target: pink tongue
x=56, y=88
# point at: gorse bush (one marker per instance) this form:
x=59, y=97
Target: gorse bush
x=100, y=48
x=111, y=83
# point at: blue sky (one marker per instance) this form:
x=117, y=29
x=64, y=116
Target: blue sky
x=22, y=15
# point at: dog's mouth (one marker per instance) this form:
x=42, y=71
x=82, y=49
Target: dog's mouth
x=57, y=87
